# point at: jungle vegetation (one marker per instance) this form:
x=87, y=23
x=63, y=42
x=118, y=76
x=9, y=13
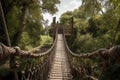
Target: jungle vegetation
x=24, y=20
x=96, y=25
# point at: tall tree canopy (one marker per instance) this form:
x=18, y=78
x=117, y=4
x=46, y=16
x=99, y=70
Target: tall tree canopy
x=24, y=19
x=96, y=21
x=96, y=25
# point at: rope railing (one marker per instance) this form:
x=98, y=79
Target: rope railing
x=81, y=69
x=28, y=66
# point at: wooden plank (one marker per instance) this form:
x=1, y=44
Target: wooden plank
x=60, y=69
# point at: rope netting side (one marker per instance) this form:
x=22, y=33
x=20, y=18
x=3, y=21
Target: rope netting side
x=29, y=66
x=85, y=65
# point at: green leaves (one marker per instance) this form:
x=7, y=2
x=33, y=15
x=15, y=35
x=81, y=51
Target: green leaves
x=50, y=6
x=25, y=21
x=96, y=25
x=91, y=7
x=66, y=18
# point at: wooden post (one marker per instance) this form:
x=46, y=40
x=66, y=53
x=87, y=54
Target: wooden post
x=12, y=58
x=54, y=27
x=54, y=21
x=4, y=25
x=13, y=66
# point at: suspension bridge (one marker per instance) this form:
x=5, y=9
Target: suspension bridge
x=57, y=63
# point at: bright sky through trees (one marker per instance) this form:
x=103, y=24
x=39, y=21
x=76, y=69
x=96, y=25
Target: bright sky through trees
x=65, y=5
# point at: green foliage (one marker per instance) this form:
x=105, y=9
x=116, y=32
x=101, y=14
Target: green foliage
x=95, y=24
x=50, y=6
x=91, y=27
x=46, y=40
x=25, y=41
x=25, y=21
x=65, y=18
x=4, y=71
x=112, y=72
x=80, y=42
x=12, y=22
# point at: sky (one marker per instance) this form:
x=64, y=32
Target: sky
x=65, y=5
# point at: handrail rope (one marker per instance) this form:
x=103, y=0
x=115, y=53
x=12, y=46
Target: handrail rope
x=5, y=51
x=104, y=53
x=29, y=71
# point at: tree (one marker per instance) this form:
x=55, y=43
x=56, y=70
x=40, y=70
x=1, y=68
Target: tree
x=92, y=7
x=65, y=18
x=20, y=13
x=97, y=25
x=49, y=6
x=46, y=6
x=4, y=25
x=92, y=28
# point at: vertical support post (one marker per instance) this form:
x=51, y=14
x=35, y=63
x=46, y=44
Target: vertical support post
x=13, y=66
x=4, y=25
x=12, y=58
x=54, y=27
x=54, y=21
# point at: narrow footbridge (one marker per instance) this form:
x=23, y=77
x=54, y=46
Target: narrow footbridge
x=60, y=69
x=58, y=63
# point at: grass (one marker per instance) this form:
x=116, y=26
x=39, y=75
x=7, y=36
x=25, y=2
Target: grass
x=45, y=39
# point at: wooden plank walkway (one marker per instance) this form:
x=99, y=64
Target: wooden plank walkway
x=60, y=69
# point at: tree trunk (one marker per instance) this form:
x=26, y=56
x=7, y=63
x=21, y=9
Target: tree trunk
x=21, y=25
x=115, y=34
x=4, y=25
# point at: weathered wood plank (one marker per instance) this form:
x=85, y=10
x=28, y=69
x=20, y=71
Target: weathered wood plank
x=60, y=69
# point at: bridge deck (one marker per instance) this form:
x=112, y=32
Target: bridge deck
x=60, y=69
